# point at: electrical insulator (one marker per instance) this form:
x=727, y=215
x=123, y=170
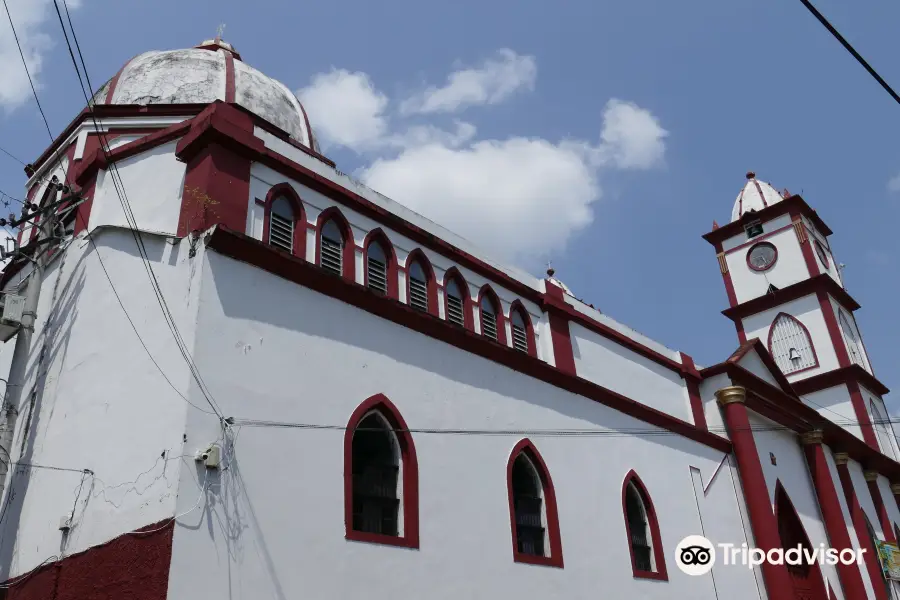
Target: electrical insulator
x=3, y=223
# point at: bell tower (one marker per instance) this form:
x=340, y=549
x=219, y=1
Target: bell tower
x=785, y=287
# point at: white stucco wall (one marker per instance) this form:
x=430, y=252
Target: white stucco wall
x=835, y=405
x=104, y=405
x=768, y=227
x=154, y=184
x=789, y=268
x=807, y=311
x=273, y=525
x=613, y=366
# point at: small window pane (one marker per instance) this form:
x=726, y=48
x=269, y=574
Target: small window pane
x=455, y=304
x=281, y=224
x=488, y=318
x=376, y=265
x=332, y=248
x=375, y=476
x=418, y=288
x=519, y=332
x=637, y=525
x=528, y=507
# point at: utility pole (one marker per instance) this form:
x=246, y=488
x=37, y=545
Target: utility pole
x=19, y=366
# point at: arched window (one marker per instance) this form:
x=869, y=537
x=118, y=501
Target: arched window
x=457, y=302
x=532, y=508
x=331, y=248
x=381, y=498
x=791, y=346
x=284, y=223
x=883, y=429
x=281, y=225
x=421, y=286
x=521, y=329
x=644, y=542
x=492, y=324
x=376, y=268
x=852, y=339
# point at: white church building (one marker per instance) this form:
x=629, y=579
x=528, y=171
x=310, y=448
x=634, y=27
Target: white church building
x=284, y=385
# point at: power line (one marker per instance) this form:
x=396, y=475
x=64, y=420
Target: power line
x=119, y=187
x=27, y=72
x=851, y=49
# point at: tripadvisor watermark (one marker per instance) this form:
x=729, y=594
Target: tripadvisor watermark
x=696, y=555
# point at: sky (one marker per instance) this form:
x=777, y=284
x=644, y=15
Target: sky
x=603, y=136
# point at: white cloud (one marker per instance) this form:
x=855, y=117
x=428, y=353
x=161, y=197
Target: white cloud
x=632, y=137
x=345, y=109
x=518, y=198
x=29, y=17
x=893, y=184
x=493, y=82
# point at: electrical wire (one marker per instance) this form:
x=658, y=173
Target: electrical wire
x=837, y=35
x=27, y=72
x=119, y=187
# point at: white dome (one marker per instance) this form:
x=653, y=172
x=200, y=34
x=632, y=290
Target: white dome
x=198, y=76
x=755, y=196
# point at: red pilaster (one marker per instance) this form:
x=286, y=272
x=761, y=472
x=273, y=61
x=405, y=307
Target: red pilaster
x=560, y=335
x=895, y=491
x=829, y=503
x=862, y=415
x=875, y=492
x=762, y=519
x=870, y=557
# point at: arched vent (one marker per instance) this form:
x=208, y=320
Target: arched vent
x=790, y=345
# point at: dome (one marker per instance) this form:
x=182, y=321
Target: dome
x=755, y=196
x=198, y=76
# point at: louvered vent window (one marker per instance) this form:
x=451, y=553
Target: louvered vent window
x=376, y=469
x=790, y=346
x=418, y=287
x=488, y=319
x=528, y=507
x=639, y=529
x=281, y=225
x=519, y=332
x=455, y=304
x=332, y=248
x=376, y=268
x=853, y=345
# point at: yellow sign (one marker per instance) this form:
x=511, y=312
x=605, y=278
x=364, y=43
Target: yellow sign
x=889, y=554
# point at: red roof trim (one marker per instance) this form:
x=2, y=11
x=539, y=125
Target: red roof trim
x=840, y=376
x=766, y=214
x=807, y=287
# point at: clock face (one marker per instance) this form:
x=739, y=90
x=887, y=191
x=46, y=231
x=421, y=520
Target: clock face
x=823, y=255
x=762, y=256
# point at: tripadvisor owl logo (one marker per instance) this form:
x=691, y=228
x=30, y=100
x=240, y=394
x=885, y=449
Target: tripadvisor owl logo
x=695, y=555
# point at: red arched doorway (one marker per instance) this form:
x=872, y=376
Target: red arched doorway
x=807, y=579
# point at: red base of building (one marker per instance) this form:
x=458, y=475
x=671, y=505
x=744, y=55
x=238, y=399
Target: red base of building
x=133, y=566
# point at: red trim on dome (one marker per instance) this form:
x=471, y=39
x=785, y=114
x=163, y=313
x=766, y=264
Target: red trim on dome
x=741, y=201
x=229, y=76
x=761, y=195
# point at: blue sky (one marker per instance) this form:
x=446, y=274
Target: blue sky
x=702, y=92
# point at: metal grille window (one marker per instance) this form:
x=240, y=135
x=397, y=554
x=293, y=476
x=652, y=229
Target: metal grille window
x=528, y=507
x=418, y=287
x=376, y=268
x=375, y=475
x=455, y=304
x=519, y=332
x=853, y=345
x=488, y=318
x=790, y=346
x=281, y=225
x=331, y=249
x=639, y=529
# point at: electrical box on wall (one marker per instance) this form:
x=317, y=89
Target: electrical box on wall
x=11, y=319
x=210, y=457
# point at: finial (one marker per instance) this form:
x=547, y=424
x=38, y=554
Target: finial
x=715, y=225
x=219, y=32
x=750, y=174
x=550, y=269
